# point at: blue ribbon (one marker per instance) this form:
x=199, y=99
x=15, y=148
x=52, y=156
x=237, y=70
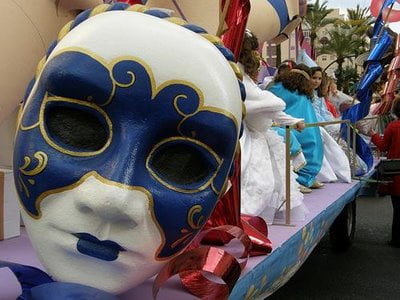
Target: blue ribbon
x=379, y=21
x=37, y=285
x=373, y=70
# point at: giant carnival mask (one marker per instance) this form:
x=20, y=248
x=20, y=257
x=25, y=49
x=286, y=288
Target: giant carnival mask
x=124, y=145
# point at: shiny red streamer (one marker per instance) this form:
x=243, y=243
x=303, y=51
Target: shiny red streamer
x=192, y=264
x=236, y=20
x=131, y=2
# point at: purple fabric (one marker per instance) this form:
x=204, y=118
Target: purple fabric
x=20, y=250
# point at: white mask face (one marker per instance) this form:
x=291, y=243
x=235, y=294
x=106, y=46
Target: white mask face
x=97, y=227
x=123, y=148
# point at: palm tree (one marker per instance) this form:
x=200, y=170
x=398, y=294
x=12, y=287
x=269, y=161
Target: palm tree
x=343, y=44
x=315, y=19
x=359, y=22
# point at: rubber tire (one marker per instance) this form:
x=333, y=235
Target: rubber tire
x=341, y=233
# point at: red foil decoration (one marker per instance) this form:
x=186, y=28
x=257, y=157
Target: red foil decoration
x=191, y=265
x=227, y=210
x=236, y=20
x=131, y=2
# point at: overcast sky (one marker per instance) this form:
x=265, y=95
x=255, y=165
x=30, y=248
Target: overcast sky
x=344, y=4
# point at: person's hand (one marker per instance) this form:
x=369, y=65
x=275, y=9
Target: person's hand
x=300, y=126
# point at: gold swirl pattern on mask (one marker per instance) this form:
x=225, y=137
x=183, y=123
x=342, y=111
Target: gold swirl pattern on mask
x=42, y=159
x=136, y=8
x=195, y=210
x=59, y=148
x=177, y=189
x=195, y=225
x=42, y=163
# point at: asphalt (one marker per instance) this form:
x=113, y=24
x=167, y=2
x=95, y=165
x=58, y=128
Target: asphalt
x=370, y=269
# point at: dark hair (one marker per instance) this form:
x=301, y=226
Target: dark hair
x=294, y=81
x=286, y=65
x=315, y=70
x=319, y=89
x=396, y=107
x=249, y=56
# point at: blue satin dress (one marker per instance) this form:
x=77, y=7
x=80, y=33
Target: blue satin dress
x=300, y=106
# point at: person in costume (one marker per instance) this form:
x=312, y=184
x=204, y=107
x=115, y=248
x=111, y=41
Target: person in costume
x=335, y=165
x=295, y=89
x=390, y=142
x=263, y=150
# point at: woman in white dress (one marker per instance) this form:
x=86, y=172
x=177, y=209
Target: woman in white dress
x=335, y=165
x=263, y=150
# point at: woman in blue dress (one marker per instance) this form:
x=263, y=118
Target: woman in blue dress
x=294, y=87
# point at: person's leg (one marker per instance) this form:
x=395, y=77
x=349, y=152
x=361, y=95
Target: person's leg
x=396, y=221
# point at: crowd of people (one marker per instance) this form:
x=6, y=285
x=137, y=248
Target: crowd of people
x=296, y=96
x=299, y=95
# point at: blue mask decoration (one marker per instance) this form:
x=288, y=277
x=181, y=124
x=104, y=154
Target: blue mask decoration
x=83, y=119
x=103, y=110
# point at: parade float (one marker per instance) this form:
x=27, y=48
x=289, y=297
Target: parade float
x=123, y=100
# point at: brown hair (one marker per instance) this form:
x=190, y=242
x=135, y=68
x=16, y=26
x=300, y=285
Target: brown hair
x=249, y=56
x=294, y=81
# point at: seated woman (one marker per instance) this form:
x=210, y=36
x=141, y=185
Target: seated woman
x=335, y=165
x=294, y=88
x=263, y=155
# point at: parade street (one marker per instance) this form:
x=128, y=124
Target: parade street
x=368, y=270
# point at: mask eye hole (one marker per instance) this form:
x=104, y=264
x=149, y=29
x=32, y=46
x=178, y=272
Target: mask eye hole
x=183, y=164
x=76, y=129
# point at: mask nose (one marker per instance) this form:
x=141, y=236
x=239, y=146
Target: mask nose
x=110, y=203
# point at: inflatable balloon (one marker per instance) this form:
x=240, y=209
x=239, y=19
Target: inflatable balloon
x=267, y=18
x=376, y=6
x=27, y=29
x=124, y=146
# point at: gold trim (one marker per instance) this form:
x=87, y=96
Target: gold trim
x=175, y=101
x=190, y=217
x=107, y=182
x=23, y=187
x=42, y=163
x=236, y=70
x=137, y=8
x=25, y=128
x=99, y=9
x=212, y=38
x=40, y=66
x=79, y=102
x=125, y=85
x=201, y=188
x=63, y=32
x=175, y=20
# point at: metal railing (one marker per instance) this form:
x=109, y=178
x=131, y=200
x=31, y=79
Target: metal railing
x=287, y=201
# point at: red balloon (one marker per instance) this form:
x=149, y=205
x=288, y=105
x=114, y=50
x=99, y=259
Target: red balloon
x=376, y=6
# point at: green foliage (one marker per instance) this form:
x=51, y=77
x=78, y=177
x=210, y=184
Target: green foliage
x=350, y=78
x=316, y=18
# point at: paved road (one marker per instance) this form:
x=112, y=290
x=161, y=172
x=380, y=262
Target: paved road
x=369, y=270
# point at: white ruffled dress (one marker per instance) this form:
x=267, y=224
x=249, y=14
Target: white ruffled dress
x=263, y=158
